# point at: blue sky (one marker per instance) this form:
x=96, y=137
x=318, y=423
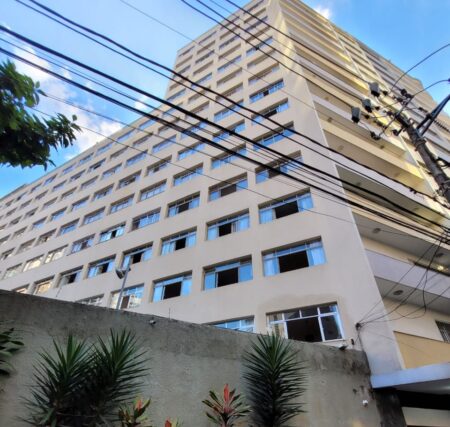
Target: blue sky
x=404, y=31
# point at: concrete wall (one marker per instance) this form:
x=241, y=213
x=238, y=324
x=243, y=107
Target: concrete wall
x=186, y=360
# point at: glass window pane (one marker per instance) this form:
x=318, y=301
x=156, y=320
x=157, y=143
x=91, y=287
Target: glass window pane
x=245, y=272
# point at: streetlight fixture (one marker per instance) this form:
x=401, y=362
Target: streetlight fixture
x=122, y=273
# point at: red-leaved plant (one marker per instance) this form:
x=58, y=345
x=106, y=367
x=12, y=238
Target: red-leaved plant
x=225, y=410
x=134, y=416
x=172, y=423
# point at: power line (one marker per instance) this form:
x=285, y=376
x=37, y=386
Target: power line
x=214, y=144
x=223, y=129
x=229, y=100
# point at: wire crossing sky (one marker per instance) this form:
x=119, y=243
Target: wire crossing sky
x=402, y=31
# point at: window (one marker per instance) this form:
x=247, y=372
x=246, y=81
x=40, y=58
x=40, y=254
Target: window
x=40, y=196
x=134, y=256
x=138, y=157
x=42, y=286
x=94, y=216
x=271, y=111
x=29, y=214
x=274, y=87
x=15, y=221
x=25, y=246
x=7, y=254
x=228, y=225
x=112, y=233
x=144, y=220
x=158, y=166
x=131, y=297
x=70, y=276
x=104, y=148
x=172, y=287
x=68, y=227
x=67, y=194
x=229, y=63
x=284, y=207
x=111, y=171
x=226, y=188
x=76, y=176
x=193, y=129
x=58, y=186
x=102, y=193
x=191, y=150
x=273, y=137
x=146, y=124
x=129, y=180
x=11, y=271
x=95, y=301
x=49, y=203
x=99, y=267
x=21, y=290
x=117, y=153
x=187, y=175
x=125, y=136
x=58, y=214
x=231, y=40
x=229, y=77
x=163, y=144
x=79, y=204
x=226, y=158
x=258, y=46
x=260, y=76
x=243, y=325
x=444, y=329
x=81, y=244
x=310, y=324
x=226, y=112
x=224, y=135
x=49, y=180
x=96, y=165
x=153, y=190
x=121, y=204
x=33, y=263
x=45, y=237
x=183, y=205
x=178, y=241
x=228, y=274
x=86, y=159
x=293, y=258
x=176, y=95
x=54, y=255
x=263, y=174
x=88, y=184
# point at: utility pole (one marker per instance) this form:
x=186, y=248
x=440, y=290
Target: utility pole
x=122, y=274
x=416, y=135
x=415, y=132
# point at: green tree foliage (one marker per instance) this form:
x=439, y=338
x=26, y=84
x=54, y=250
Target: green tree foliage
x=84, y=385
x=275, y=380
x=25, y=139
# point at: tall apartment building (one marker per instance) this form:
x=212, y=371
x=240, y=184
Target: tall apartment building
x=212, y=238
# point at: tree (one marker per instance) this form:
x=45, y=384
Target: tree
x=275, y=380
x=25, y=139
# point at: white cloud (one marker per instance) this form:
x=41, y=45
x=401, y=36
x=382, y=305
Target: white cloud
x=324, y=11
x=139, y=104
x=52, y=86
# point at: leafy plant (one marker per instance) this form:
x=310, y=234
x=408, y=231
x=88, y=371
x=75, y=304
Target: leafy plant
x=134, y=417
x=10, y=343
x=25, y=139
x=83, y=385
x=275, y=380
x=173, y=423
x=227, y=408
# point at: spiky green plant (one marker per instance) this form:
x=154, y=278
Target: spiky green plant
x=10, y=343
x=83, y=385
x=134, y=416
x=226, y=409
x=275, y=379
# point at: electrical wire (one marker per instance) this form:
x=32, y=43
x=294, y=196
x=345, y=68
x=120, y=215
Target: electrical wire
x=223, y=129
x=217, y=94
x=160, y=120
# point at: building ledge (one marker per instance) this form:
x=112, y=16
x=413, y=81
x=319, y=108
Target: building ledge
x=434, y=379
